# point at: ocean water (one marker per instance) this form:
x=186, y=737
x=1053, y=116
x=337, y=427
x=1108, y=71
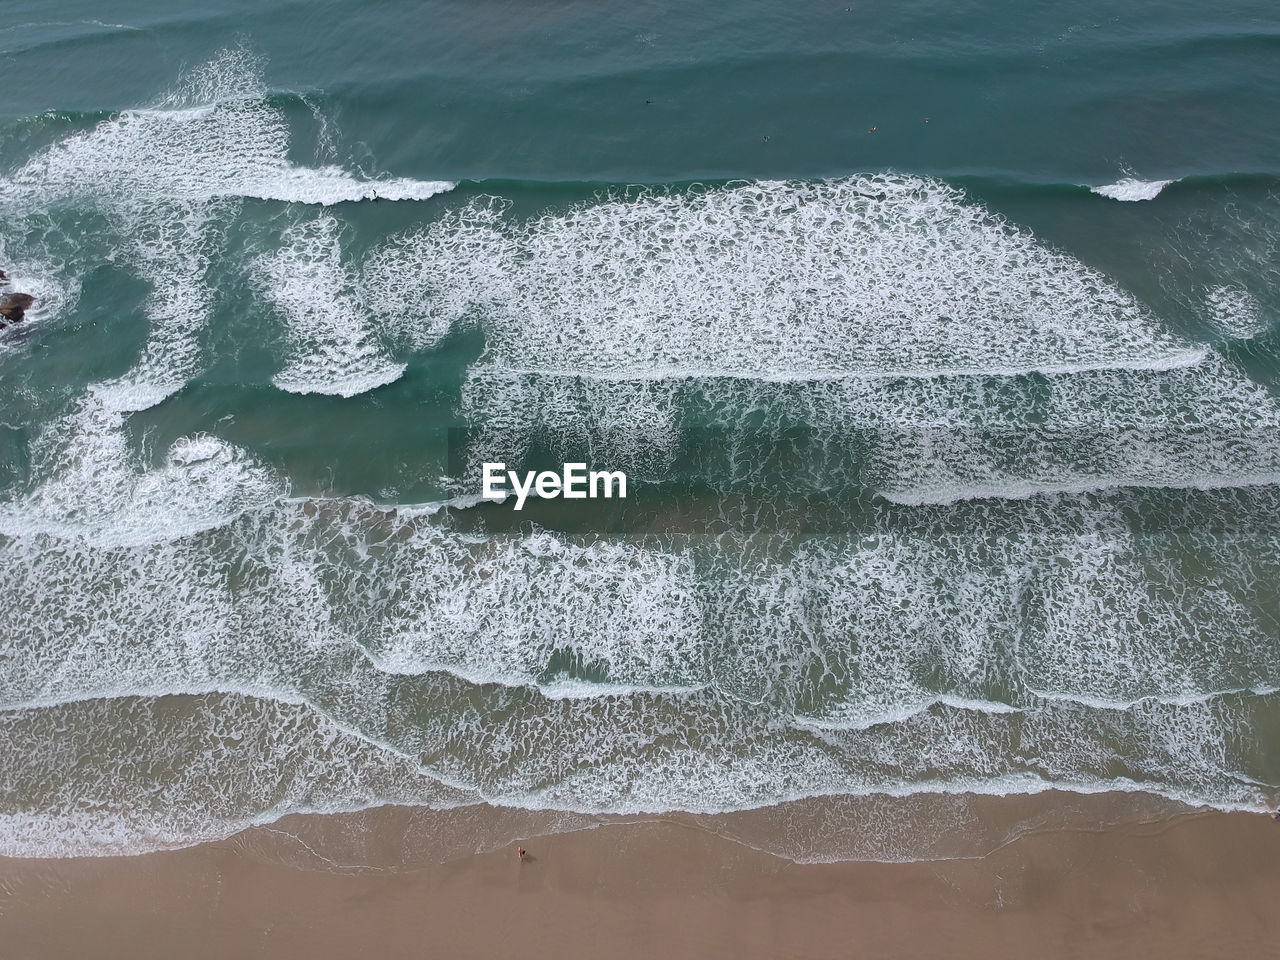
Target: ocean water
x=939, y=342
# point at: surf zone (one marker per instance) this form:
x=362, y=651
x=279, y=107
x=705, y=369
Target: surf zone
x=574, y=482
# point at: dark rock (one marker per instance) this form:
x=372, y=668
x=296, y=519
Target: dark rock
x=13, y=306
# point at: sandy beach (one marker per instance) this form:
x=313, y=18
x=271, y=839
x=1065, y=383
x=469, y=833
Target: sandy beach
x=886, y=558
x=1198, y=886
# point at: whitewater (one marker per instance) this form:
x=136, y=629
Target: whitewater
x=924, y=506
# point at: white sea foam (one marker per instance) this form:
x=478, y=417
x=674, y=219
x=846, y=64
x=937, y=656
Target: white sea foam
x=478, y=599
x=425, y=285
x=367, y=656
x=1132, y=189
x=171, y=245
x=913, y=440
x=54, y=293
x=334, y=352
x=727, y=759
x=1185, y=699
x=168, y=178
x=1206, y=427
x=217, y=135
x=415, y=599
x=92, y=486
x=421, y=601
x=453, y=503
x=864, y=721
x=248, y=761
x=880, y=276
x=886, y=304
x=254, y=761
x=1236, y=312
x=675, y=673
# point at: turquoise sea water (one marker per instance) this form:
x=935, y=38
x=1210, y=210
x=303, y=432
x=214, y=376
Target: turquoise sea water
x=939, y=344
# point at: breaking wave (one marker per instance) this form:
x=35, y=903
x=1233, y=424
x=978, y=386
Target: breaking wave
x=215, y=136
x=168, y=179
x=968, y=517
x=1131, y=189
x=878, y=277
x=1011, y=647
x=936, y=352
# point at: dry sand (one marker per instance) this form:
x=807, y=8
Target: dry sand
x=1198, y=886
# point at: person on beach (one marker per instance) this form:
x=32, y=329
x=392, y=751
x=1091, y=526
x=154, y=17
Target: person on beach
x=521, y=855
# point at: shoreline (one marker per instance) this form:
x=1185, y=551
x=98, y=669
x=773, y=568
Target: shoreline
x=1200, y=884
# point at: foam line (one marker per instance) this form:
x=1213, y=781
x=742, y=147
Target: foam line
x=334, y=352
x=912, y=440
x=217, y=734
x=241, y=750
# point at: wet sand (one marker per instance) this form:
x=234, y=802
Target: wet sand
x=1198, y=886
